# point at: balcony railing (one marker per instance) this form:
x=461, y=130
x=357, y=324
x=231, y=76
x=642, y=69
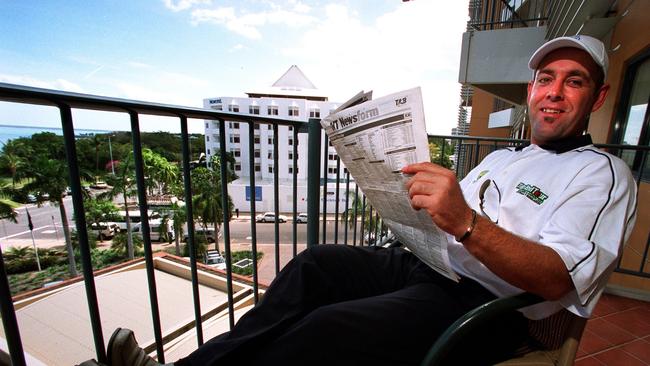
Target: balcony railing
x=357, y=224
x=504, y=14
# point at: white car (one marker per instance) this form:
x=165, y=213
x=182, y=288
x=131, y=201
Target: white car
x=214, y=259
x=105, y=230
x=269, y=217
x=301, y=218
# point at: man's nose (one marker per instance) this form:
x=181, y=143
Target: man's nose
x=555, y=91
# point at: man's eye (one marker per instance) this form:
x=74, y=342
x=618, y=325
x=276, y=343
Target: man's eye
x=544, y=80
x=575, y=82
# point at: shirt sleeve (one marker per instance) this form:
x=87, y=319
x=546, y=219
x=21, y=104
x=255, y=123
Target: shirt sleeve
x=590, y=223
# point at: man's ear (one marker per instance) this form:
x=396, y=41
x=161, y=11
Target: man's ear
x=529, y=88
x=601, y=95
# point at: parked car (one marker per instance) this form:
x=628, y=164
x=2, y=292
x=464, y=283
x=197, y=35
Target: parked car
x=269, y=217
x=209, y=234
x=104, y=230
x=301, y=218
x=155, y=230
x=214, y=259
x=30, y=198
x=99, y=185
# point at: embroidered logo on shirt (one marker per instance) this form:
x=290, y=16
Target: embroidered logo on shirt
x=533, y=193
x=480, y=175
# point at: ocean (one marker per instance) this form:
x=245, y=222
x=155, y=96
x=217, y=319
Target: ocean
x=8, y=132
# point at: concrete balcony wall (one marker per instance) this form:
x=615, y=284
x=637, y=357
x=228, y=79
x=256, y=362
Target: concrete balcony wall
x=497, y=60
x=502, y=118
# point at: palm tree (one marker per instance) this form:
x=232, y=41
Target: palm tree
x=7, y=206
x=178, y=214
x=11, y=159
x=49, y=176
x=123, y=184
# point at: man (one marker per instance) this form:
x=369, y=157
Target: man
x=550, y=218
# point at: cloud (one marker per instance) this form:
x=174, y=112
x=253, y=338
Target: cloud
x=58, y=84
x=248, y=24
x=236, y=48
x=413, y=45
x=183, y=4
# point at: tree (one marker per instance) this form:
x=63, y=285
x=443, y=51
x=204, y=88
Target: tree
x=207, y=198
x=436, y=152
x=178, y=213
x=98, y=211
x=123, y=185
x=159, y=171
x=49, y=176
x=7, y=206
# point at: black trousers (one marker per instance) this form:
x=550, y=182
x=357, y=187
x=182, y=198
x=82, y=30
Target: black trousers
x=343, y=305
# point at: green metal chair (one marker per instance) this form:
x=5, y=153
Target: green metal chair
x=556, y=337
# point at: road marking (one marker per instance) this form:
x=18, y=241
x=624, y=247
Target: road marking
x=48, y=231
x=24, y=232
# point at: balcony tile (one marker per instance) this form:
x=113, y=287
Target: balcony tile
x=592, y=343
x=611, y=333
x=619, y=357
x=589, y=361
x=635, y=321
x=639, y=349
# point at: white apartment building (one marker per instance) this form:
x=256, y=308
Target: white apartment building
x=291, y=97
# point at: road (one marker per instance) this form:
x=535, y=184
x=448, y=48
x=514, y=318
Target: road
x=48, y=231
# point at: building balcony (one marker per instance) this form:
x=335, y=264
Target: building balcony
x=176, y=304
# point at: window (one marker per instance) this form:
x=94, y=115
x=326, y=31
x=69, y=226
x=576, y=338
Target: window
x=314, y=113
x=291, y=170
x=331, y=170
x=236, y=153
x=233, y=108
x=634, y=114
x=208, y=151
x=256, y=140
x=290, y=155
x=217, y=107
x=290, y=128
x=270, y=155
x=254, y=109
x=331, y=157
x=270, y=142
x=256, y=126
x=269, y=127
x=290, y=142
x=207, y=138
x=234, y=124
x=206, y=125
x=294, y=111
x=272, y=110
x=270, y=168
x=237, y=167
x=258, y=168
x=256, y=154
x=234, y=139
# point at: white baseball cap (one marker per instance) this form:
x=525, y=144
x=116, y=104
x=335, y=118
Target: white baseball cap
x=593, y=46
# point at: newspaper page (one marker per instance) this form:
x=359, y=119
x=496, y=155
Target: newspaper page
x=375, y=139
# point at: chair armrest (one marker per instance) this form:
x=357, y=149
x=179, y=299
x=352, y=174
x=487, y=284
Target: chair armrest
x=472, y=320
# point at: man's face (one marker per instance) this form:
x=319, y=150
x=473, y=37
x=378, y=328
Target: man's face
x=562, y=95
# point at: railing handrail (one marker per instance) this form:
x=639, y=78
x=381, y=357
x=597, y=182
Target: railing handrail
x=41, y=96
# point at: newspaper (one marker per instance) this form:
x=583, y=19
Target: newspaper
x=375, y=139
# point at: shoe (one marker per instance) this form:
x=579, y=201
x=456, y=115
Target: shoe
x=123, y=350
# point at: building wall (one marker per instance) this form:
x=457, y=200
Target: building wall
x=264, y=178
x=632, y=33
x=481, y=108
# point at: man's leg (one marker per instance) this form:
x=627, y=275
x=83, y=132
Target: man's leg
x=320, y=276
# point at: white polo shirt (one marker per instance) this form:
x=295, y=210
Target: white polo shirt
x=572, y=197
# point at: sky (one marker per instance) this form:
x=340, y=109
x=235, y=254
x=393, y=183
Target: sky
x=182, y=51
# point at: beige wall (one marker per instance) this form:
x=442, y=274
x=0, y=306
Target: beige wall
x=482, y=102
x=632, y=33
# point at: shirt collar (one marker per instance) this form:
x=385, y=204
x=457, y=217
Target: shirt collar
x=564, y=145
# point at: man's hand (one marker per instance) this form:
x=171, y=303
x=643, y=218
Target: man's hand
x=523, y=263
x=436, y=190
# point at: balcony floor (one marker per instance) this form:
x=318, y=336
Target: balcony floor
x=618, y=333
